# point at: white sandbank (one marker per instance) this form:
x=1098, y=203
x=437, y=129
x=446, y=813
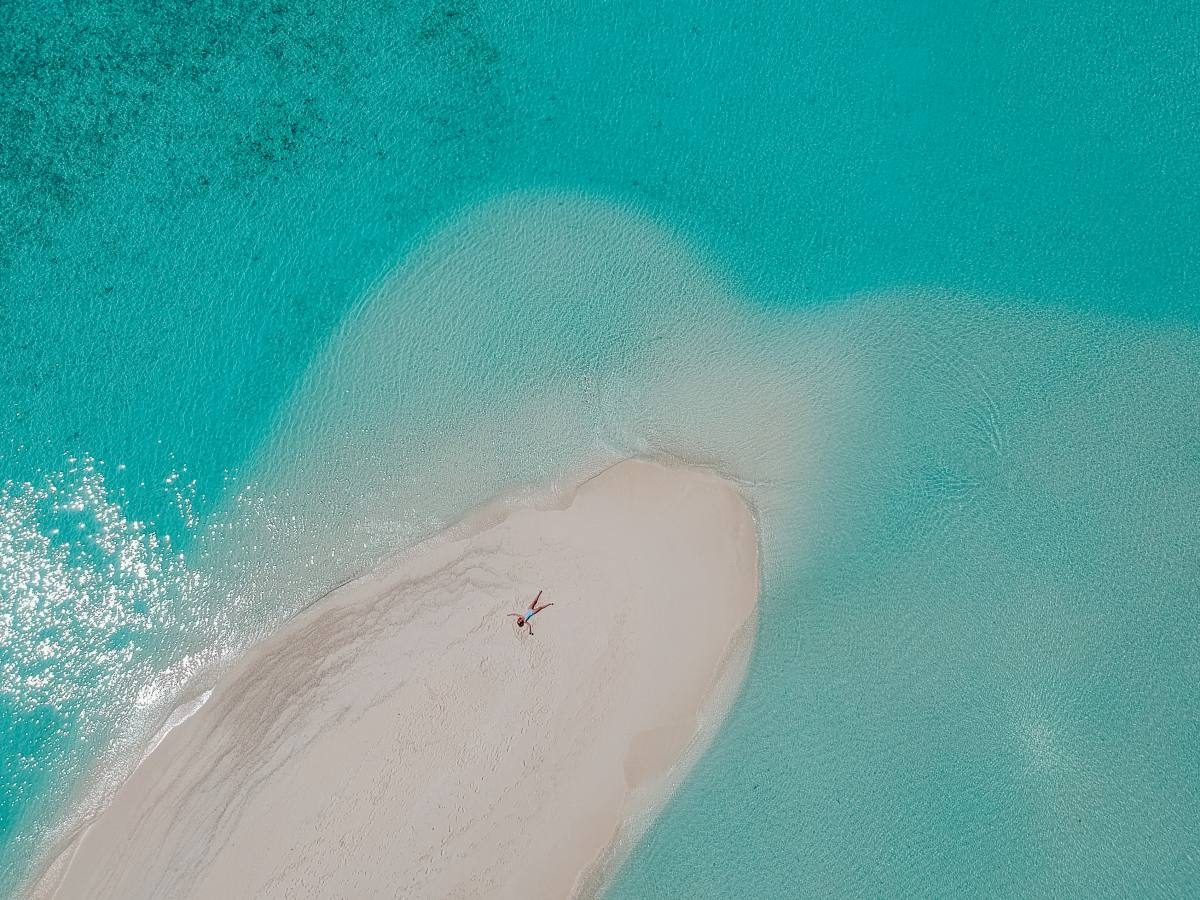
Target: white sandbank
x=399, y=738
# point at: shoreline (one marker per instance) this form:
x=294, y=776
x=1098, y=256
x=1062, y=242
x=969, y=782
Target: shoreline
x=326, y=691
x=723, y=693
x=91, y=797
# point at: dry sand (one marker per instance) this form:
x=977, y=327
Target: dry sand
x=400, y=739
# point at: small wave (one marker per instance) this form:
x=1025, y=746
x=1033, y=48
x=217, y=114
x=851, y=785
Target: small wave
x=178, y=716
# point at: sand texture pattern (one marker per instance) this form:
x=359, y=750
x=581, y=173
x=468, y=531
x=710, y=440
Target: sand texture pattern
x=401, y=739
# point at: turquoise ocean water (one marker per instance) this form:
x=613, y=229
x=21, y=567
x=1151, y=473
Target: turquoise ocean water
x=286, y=286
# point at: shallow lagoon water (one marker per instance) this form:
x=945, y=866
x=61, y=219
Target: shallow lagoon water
x=920, y=282
x=977, y=644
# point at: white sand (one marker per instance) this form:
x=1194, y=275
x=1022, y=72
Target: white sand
x=400, y=739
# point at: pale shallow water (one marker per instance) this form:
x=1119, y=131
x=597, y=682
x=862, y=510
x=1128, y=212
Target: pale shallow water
x=284, y=297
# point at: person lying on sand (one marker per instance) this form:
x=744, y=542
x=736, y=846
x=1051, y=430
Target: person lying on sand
x=534, y=609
